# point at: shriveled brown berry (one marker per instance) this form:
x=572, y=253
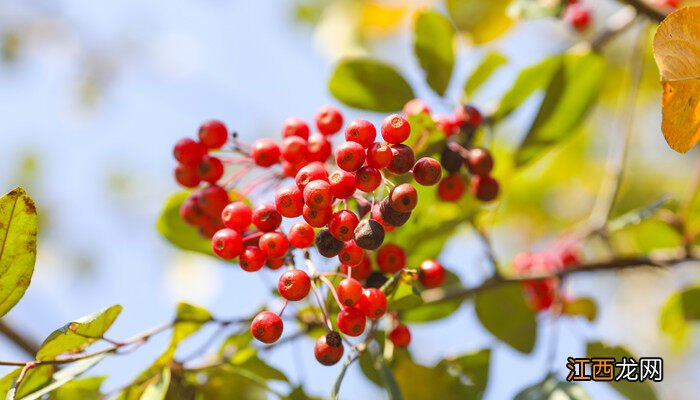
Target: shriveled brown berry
x=403, y=198
x=369, y=234
x=375, y=280
x=327, y=245
x=480, y=162
x=333, y=339
x=391, y=216
x=451, y=160
x=402, y=159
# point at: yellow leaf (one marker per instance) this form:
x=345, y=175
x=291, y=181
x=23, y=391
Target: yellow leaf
x=379, y=20
x=677, y=54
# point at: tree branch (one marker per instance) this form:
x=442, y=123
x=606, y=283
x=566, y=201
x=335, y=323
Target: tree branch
x=20, y=340
x=645, y=9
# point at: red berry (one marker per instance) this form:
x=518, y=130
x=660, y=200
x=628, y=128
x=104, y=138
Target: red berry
x=446, y=124
x=329, y=120
x=267, y=327
x=290, y=170
x=210, y=169
x=368, y=179
x=209, y=227
x=317, y=218
x=266, y=218
x=427, y=171
x=451, y=188
x=188, y=151
x=351, y=321
x=312, y=172
x=578, y=16
x=400, y=336
x=227, y=243
x=186, y=175
x=467, y=115
x=350, y=156
x=191, y=212
x=379, y=155
x=402, y=159
x=274, y=263
x=352, y=254
x=319, y=148
x=237, y=216
x=294, y=285
x=274, y=244
x=391, y=258
x=361, y=131
x=372, y=303
x=213, y=134
x=431, y=274
x=301, y=235
x=294, y=126
x=349, y=291
x=485, y=188
x=360, y=271
x=265, y=152
x=294, y=149
x=395, y=129
x=343, y=184
x=377, y=216
x=342, y=224
x=317, y=195
x=670, y=4
x=403, y=198
x=415, y=107
x=213, y=199
x=252, y=259
x=479, y=161
x=327, y=354
x=289, y=202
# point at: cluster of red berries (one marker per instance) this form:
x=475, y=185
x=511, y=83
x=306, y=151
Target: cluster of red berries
x=577, y=14
x=459, y=130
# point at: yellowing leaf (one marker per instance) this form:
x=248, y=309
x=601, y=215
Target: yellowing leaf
x=379, y=20
x=677, y=55
x=482, y=20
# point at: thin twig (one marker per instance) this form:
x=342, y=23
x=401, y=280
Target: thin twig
x=644, y=8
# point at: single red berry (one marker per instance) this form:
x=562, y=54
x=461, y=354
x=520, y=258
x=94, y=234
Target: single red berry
x=274, y=244
x=317, y=217
x=360, y=271
x=372, y=303
x=314, y=171
x=266, y=217
x=395, y=129
x=379, y=155
x=290, y=170
x=319, y=148
x=301, y=235
x=294, y=285
x=227, y=243
x=186, y=175
x=213, y=199
x=265, y=152
x=352, y=254
x=485, y=188
x=237, y=216
x=317, y=195
x=431, y=274
x=349, y=291
x=188, y=151
x=294, y=149
x=342, y=224
x=274, y=263
x=402, y=159
x=578, y=16
x=479, y=161
x=289, y=202
x=267, y=327
x=294, y=126
x=403, y=198
x=210, y=169
x=328, y=353
x=451, y=188
x=400, y=336
x=350, y=156
x=391, y=258
x=467, y=115
x=209, y=227
x=446, y=124
x=361, y=131
x=351, y=321
x=329, y=120
x=668, y=4
x=252, y=259
x=427, y=171
x=368, y=179
x=191, y=212
x=213, y=134
x=343, y=184
x=415, y=107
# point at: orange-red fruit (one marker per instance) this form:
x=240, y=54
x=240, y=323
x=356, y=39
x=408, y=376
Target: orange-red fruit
x=317, y=218
x=403, y=198
x=368, y=179
x=343, y=184
x=317, y=194
x=265, y=152
x=350, y=156
x=252, y=259
x=431, y=274
x=274, y=244
x=329, y=120
x=427, y=171
x=267, y=327
x=210, y=169
x=349, y=291
x=351, y=321
x=186, y=175
x=451, y=188
x=213, y=134
x=467, y=115
x=402, y=159
x=391, y=258
x=479, y=161
x=415, y=107
x=319, y=148
x=343, y=224
x=395, y=129
x=237, y=216
x=352, y=254
x=360, y=271
x=295, y=126
x=311, y=172
x=372, y=303
x=379, y=155
x=289, y=202
x=301, y=235
x=274, y=263
x=360, y=131
x=294, y=149
x=227, y=243
x=325, y=351
x=294, y=285
x=266, y=217
x=485, y=188
x=400, y=336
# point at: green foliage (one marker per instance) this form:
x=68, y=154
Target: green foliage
x=582, y=306
x=434, y=48
x=550, y=389
x=157, y=388
x=35, y=379
x=489, y=64
x=529, y=81
x=18, y=231
x=176, y=231
x=369, y=84
x=63, y=376
x=631, y=390
x=483, y=21
x=76, y=336
x=503, y=312
x=408, y=302
x=83, y=389
x=681, y=308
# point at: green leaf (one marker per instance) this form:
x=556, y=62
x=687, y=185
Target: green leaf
x=176, y=231
x=482, y=20
x=83, y=389
x=158, y=388
x=434, y=48
x=369, y=84
x=66, y=375
x=226, y=383
x=532, y=9
x=473, y=368
x=299, y=394
x=18, y=230
x=489, y=64
x=569, y=97
x=503, y=311
x=389, y=380
x=413, y=309
x=247, y=359
x=582, y=306
x=631, y=390
x=680, y=308
x=34, y=379
x=419, y=382
x=76, y=336
x=550, y=389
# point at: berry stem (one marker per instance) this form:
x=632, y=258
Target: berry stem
x=332, y=289
x=284, y=307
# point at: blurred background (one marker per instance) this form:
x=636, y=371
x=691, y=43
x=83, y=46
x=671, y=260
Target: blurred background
x=94, y=94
